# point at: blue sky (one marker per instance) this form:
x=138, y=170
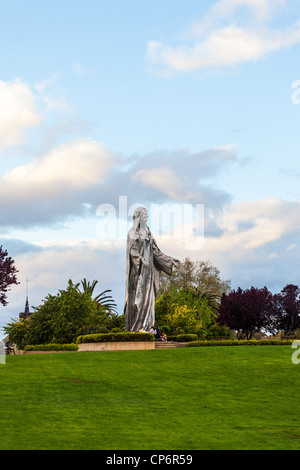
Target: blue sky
x=163, y=102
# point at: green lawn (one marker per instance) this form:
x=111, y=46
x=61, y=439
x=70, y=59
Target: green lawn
x=176, y=399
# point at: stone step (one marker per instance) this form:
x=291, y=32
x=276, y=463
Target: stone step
x=164, y=345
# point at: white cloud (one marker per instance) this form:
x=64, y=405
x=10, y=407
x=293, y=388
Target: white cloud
x=70, y=166
x=51, y=94
x=223, y=39
x=246, y=228
x=253, y=230
x=74, y=178
x=80, y=70
x=55, y=186
x=268, y=221
x=71, y=179
x=261, y=10
x=18, y=112
x=165, y=180
x=77, y=165
x=181, y=175
x=291, y=247
x=258, y=244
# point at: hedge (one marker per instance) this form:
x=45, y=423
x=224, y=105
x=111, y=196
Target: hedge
x=183, y=338
x=240, y=343
x=115, y=337
x=186, y=338
x=172, y=338
x=51, y=347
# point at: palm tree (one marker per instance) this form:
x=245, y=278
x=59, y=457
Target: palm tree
x=213, y=298
x=103, y=300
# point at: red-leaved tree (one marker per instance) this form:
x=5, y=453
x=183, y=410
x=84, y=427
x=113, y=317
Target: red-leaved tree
x=246, y=311
x=288, y=304
x=8, y=275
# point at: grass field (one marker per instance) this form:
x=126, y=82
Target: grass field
x=176, y=399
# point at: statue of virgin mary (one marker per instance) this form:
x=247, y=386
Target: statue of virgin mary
x=144, y=263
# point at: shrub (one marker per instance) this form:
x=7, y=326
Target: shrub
x=240, y=343
x=61, y=318
x=51, y=347
x=184, y=311
x=115, y=337
x=218, y=338
x=186, y=338
x=172, y=338
x=165, y=329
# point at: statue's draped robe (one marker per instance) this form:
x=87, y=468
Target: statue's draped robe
x=142, y=281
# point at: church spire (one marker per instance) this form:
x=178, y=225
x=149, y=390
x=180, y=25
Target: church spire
x=26, y=312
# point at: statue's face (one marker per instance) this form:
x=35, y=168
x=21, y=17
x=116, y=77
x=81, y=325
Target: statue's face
x=144, y=216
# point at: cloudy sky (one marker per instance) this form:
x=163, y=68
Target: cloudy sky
x=188, y=103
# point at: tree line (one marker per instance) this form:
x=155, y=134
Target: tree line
x=195, y=299
x=253, y=310
x=61, y=318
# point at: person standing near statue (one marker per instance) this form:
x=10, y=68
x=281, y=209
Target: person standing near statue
x=144, y=263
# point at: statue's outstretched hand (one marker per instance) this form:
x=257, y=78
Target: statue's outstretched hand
x=177, y=263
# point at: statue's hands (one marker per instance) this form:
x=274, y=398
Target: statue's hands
x=176, y=263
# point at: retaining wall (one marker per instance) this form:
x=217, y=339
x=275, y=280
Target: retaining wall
x=118, y=346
